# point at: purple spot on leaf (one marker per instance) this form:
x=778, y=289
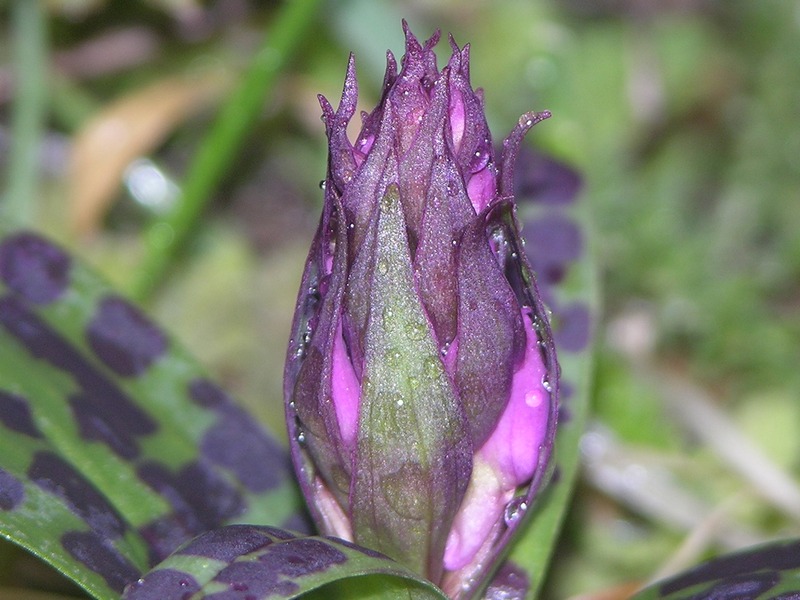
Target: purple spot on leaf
x=200, y=498
x=162, y=584
x=16, y=415
x=237, y=443
x=123, y=338
x=99, y=554
x=251, y=580
x=573, y=328
x=775, y=556
x=208, y=395
x=509, y=583
x=163, y=535
x=554, y=241
x=556, y=476
x=301, y=557
x=12, y=492
x=226, y=543
x=51, y=473
x=103, y=411
x=96, y=426
x=544, y=180
x=744, y=587
x=33, y=268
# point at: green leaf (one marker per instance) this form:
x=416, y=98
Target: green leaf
x=263, y=562
x=557, y=231
x=770, y=571
x=115, y=447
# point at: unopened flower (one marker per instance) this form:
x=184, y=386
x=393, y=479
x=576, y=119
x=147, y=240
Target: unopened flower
x=421, y=379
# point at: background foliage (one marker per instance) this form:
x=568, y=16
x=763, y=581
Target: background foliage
x=682, y=116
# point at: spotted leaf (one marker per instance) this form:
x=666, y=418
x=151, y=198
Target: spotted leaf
x=115, y=447
x=555, y=226
x=244, y=561
x=767, y=572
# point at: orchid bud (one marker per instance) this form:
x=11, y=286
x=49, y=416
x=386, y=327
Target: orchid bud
x=421, y=379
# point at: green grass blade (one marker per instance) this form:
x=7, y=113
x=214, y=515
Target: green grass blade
x=223, y=141
x=29, y=37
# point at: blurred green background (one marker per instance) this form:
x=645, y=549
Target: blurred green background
x=682, y=115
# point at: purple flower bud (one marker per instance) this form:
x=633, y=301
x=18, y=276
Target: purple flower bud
x=421, y=379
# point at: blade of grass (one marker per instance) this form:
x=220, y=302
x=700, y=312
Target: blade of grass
x=219, y=147
x=29, y=46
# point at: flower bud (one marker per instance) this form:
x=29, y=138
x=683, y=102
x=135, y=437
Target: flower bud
x=421, y=379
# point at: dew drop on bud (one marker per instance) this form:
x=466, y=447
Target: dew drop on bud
x=432, y=367
x=547, y=385
x=481, y=157
x=322, y=184
x=415, y=331
x=452, y=188
x=514, y=511
x=393, y=357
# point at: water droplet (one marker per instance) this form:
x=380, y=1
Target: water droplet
x=351, y=226
x=301, y=438
x=322, y=184
x=393, y=357
x=444, y=349
x=383, y=266
x=415, y=331
x=547, y=385
x=480, y=158
x=514, y=511
x=433, y=367
x=400, y=402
